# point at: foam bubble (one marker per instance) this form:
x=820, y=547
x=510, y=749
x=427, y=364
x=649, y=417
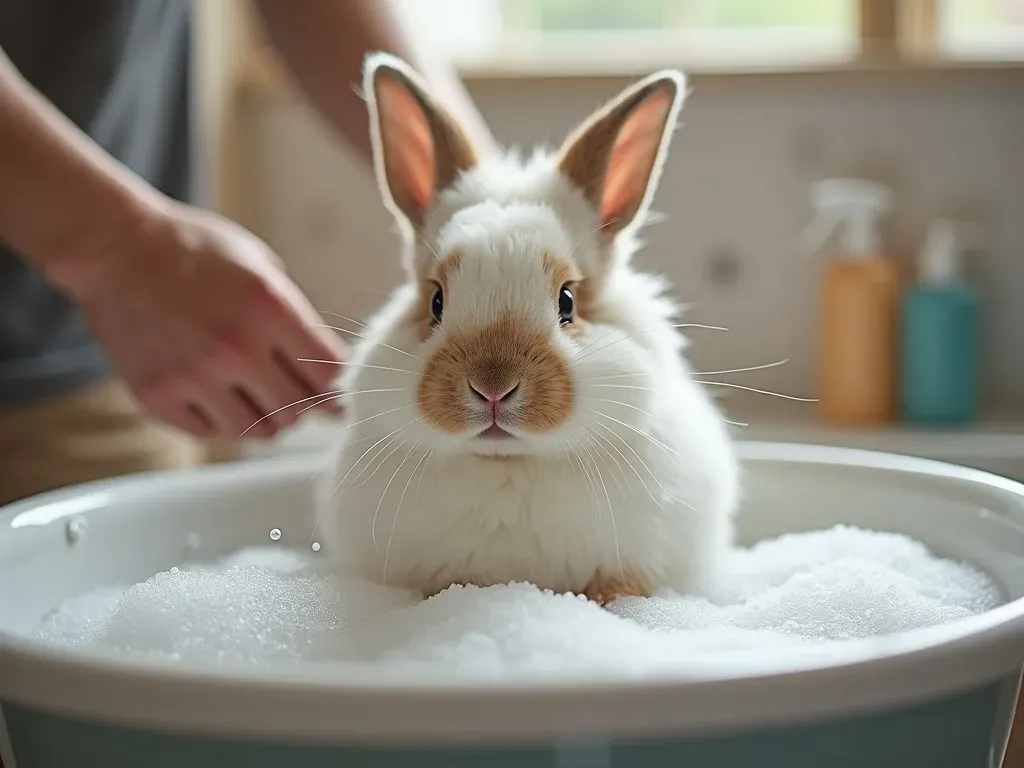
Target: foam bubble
x=274, y=605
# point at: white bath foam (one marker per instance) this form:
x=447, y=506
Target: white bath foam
x=270, y=605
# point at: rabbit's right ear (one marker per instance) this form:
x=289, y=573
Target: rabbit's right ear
x=418, y=148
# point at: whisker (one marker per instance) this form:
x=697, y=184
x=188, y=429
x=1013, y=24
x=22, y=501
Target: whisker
x=590, y=435
x=621, y=386
x=373, y=416
x=355, y=464
x=641, y=410
x=339, y=395
x=624, y=458
x=380, y=464
x=367, y=338
x=314, y=405
x=611, y=512
x=625, y=405
x=345, y=318
x=430, y=455
x=580, y=356
x=369, y=462
x=616, y=376
x=326, y=395
x=583, y=239
x=565, y=452
x=591, y=486
x=643, y=463
x=353, y=365
x=640, y=432
x=371, y=391
x=316, y=475
x=398, y=510
x=373, y=525
x=357, y=461
x=758, y=391
x=430, y=247
x=762, y=367
x=433, y=472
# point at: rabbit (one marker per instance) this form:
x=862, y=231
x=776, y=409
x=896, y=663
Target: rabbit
x=520, y=410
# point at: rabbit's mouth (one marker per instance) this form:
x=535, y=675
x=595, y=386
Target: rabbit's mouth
x=494, y=432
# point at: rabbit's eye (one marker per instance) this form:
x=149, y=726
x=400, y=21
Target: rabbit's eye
x=437, y=305
x=566, y=306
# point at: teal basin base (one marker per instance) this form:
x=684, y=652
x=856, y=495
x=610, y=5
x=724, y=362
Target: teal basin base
x=968, y=730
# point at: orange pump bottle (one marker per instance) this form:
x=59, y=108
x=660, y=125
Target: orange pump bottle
x=858, y=354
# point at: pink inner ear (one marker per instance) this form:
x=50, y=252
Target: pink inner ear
x=408, y=145
x=632, y=159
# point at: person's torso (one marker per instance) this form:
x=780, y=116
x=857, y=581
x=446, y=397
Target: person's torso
x=121, y=71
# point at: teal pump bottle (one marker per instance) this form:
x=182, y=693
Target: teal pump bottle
x=940, y=335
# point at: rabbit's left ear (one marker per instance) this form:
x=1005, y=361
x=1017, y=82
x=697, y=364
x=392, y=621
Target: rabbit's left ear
x=616, y=155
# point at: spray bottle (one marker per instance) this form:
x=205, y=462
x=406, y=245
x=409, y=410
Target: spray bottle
x=940, y=332
x=859, y=304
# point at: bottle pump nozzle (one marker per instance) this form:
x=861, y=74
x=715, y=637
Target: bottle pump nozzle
x=940, y=258
x=855, y=205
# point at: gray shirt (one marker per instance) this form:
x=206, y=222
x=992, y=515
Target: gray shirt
x=121, y=70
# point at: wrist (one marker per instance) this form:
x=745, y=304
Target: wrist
x=112, y=228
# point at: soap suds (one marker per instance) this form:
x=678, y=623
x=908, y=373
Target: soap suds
x=270, y=605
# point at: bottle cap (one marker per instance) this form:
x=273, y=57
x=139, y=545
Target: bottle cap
x=940, y=261
x=855, y=207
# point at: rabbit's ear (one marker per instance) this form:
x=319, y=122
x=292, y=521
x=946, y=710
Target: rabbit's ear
x=615, y=156
x=418, y=148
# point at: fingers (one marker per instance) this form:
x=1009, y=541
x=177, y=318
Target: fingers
x=186, y=416
x=252, y=384
x=279, y=396
x=299, y=342
x=263, y=397
x=314, y=380
x=220, y=407
x=231, y=411
x=294, y=331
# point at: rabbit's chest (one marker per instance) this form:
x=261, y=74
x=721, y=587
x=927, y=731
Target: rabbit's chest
x=492, y=523
x=552, y=529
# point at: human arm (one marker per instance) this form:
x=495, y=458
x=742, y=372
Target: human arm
x=324, y=43
x=62, y=198
x=192, y=311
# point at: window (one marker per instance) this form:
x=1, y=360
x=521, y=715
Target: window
x=630, y=37
x=538, y=34
x=983, y=29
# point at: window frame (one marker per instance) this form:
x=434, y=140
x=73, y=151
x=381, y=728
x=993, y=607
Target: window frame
x=892, y=36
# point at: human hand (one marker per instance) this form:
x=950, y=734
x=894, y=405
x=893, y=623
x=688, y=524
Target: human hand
x=197, y=316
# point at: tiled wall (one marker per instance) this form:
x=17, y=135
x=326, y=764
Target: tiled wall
x=735, y=193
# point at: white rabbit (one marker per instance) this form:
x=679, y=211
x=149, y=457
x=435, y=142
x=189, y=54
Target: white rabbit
x=519, y=409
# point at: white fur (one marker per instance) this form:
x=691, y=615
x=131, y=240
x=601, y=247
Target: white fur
x=648, y=493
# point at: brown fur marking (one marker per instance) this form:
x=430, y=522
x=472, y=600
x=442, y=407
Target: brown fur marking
x=606, y=589
x=498, y=356
x=562, y=271
x=422, y=317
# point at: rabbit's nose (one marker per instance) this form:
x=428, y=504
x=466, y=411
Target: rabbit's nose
x=491, y=393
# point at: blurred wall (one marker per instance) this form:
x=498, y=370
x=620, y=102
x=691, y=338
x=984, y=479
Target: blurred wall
x=734, y=194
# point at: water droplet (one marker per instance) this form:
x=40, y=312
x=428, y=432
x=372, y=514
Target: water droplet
x=174, y=569
x=316, y=546
x=74, y=530
x=275, y=534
